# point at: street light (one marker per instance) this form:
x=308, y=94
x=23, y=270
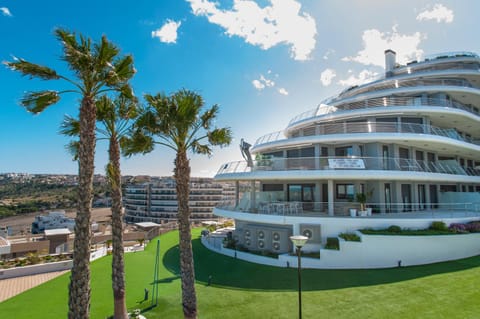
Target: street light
x=299, y=241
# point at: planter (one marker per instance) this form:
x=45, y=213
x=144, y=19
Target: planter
x=369, y=211
x=353, y=212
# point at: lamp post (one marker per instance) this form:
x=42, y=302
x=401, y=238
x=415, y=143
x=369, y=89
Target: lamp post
x=299, y=241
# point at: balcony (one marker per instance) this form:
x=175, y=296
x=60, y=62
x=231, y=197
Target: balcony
x=343, y=209
x=379, y=102
x=374, y=127
x=349, y=163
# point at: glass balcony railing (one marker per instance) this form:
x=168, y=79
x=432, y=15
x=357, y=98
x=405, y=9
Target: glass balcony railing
x=349, y=163
x=376, y=127
x=380, y=102
x=343, y=209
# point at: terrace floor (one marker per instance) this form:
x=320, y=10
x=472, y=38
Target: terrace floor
x=11, y=287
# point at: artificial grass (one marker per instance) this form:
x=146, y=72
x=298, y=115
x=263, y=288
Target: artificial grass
x=240, y=289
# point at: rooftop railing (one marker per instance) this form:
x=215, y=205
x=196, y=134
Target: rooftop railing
x=324, y=109
x=349, y=163
x=375, y=127
x=406, y=83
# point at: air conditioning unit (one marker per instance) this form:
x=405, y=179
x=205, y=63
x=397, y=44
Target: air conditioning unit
x=276, y=241
x=261, y=244
x=246, y=236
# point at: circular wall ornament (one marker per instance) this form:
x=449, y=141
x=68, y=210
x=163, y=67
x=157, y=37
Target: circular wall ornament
x=276, y=236
x=307, y=233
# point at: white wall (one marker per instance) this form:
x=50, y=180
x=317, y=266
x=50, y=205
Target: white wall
x=35, y=269
x=376, y=251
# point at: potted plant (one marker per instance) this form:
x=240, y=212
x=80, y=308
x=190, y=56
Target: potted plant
x=263, y=161
x=361, y=198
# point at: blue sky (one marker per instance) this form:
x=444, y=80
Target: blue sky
x=262, y=61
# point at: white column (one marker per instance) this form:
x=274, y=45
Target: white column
x=252, y=196
x=330, y=198
x=296, y=231
x=237, y=193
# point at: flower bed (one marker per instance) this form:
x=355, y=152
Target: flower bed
x=436, y=228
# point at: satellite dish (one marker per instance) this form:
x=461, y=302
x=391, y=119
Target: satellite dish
x=245, y=149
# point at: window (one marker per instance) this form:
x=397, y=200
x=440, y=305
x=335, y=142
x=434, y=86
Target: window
x=345, y=191
x=344, y=151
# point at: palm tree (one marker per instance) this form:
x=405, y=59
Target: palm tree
x=175, y=122
x=117, y=118
x=97, y=68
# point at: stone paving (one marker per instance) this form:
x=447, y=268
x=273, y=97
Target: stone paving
x=13, y=286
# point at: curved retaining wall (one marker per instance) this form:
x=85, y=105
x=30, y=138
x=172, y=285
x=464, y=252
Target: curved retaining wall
x=375, y=251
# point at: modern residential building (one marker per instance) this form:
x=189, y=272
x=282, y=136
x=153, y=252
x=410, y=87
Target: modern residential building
x=157, y=201
x=401, y=150
x=54, y=220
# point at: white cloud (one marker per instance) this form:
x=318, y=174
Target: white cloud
x=280, y=23
x=375, y=43
x=439, y=12
x=6, y=12
x=264, y=82
x=327, y=76
x=363, y=77
x=168, y=32
x=258, y=85
x=267, y=82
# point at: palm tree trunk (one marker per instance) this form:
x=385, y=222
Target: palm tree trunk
x=182, y=178
x=118, y=272
x=79, y=289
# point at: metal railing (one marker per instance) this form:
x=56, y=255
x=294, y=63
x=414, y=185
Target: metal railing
x=380, y=102
x=375, y=127
x=343, y=208
x=342, y=163
x=405, y=83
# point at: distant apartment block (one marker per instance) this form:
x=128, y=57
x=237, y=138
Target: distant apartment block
x=156, y=200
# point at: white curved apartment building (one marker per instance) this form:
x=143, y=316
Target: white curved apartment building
x=410, y=141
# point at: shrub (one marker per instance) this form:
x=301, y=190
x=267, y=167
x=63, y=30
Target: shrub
x=458, y=228
x=394, y=229
x=473, y=227
x=349, y=236
x=332, y=243
x=438, y=225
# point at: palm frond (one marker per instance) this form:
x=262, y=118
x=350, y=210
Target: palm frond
x=32, y=70
x=136, y=143
x=70, y=126
x=123, y=68
x=201, y=148
x=208, y=116
x=36, y=102
x=72, y=149
x=220, y=136
x=104, y=54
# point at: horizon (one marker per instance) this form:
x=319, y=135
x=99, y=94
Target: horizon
x=263, y=62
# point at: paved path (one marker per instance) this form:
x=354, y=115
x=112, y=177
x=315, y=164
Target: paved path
x=13, y=286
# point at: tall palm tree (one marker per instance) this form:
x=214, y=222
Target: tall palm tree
x=117, y=118
x=97, y=68
x=175, y=121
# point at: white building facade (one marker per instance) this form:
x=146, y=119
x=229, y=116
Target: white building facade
x=401, y=150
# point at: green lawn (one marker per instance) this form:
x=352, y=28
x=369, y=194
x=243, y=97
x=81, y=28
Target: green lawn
x=244, y=290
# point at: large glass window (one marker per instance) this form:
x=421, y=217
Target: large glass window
x=344, y=151
x=345, y=191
